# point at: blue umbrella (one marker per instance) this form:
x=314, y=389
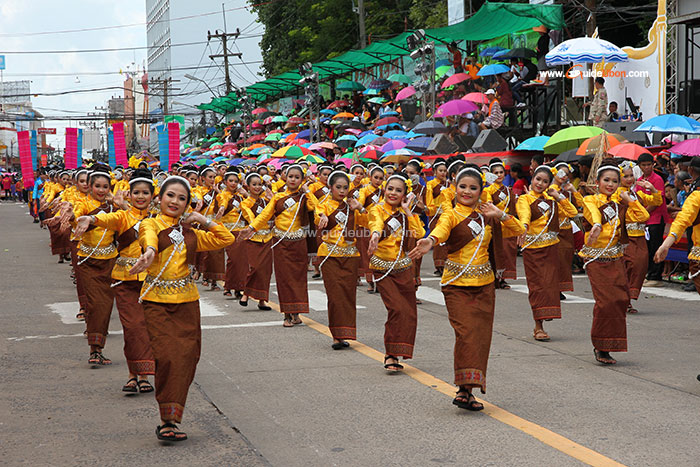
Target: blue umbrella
x=328, y=112
x=366, y=139
x=411, y=134
x=489, y=51
x=395, y=134
x=235, y=161
x=390, y=113
x=365, y=133
x=352, y=138
x=248, y=162
x=430, y=127
x=420, y=144
x=670, y=123
x=371, y=92
x=400, y=152
x=443, y=62
x=390, y=126
x=536, y=143
x=500, y=53
x=304, y=134
x=495, y=69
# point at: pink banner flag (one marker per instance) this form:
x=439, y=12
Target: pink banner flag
x=25, y=157
x=71, y=156
x=119, y=144
x=173, y=143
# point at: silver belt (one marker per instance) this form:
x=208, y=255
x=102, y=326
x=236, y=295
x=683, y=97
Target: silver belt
x=237, y=225
x=341, y=250
x=474, y=271
x=546, y=237
x=636, y=227
x=170, y=287
x=292, y=235
x=104, y=251
x=381, y=265
x=126, y=261
x=695, y=251
x=603, y=254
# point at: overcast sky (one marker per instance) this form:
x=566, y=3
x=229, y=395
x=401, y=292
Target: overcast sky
x=20, y=20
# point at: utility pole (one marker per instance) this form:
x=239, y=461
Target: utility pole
x=591, y=25
x=223, y=36
x=165, y=83
x=361, y=13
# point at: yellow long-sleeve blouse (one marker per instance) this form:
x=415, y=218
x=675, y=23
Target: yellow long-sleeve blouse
x=121, y=222
x=250, y=211
x=175, y=283
x=278, y=185
x=574, y=198
x=50, y=195
x=289, y=223
x=689, y=216
x=369, y=196
x=338, y=241
x=636, y=215
x=393, y=246
x=608, y=244
x=432, y=202
x=208, y=197
x=321, y=191
x=536, y=236
x=232, y=220
x=98, y=243
x=479, y=272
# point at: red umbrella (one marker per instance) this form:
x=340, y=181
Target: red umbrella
x=259, y=110
x=628, y=151
x=455, y=79
x=374, y=154
x=336, y=104
x=299, y=142
x=255, y=138
x=386, y=121
x=476, y=97
x=296, y=121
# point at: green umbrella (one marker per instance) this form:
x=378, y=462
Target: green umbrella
x=399, y=78
x=350, y=86
x=273, y=137
x=279, y=119
x=442, y=70
x=570, y=138
x=377, y=100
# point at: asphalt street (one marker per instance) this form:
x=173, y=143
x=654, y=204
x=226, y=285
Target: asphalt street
x=268, y=395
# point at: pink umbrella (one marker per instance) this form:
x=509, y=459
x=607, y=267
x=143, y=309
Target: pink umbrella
x=405, y=93
x=323, y=145
x=348, y=162
x=689, y=147
x=353, y=131
x=393, y=144
x=476, y=97
x=369, y=147
x=455, y=107
x=455, y=79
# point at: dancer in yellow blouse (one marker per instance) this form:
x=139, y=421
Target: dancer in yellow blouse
x=473, y=233
x=170, y=297
x=229, y=212
x=565, y=247
x=504, y=199
x=369, y=196
x=391, y=223
x=539, y=211
x=211, y=264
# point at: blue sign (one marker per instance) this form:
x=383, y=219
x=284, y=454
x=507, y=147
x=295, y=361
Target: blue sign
x=2, y=62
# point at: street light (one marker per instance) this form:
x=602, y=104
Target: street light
x=194, y=78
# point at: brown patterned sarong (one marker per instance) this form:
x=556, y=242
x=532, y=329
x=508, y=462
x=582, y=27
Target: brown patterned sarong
x=290, y=260
x=96, y=275
x=398, y=293
x=609, y=285
x=176, y=340
x=137, y=346
x=471, y=311
x=542, y=275
x=82, y=298
x=60, y=239
x=340, y=280
x=236, y=265
x=214, y=265
x=257, y=282
x=510, y=257
x=417, y=263
x=636, y=261
x=565, y=248
x=362, y=247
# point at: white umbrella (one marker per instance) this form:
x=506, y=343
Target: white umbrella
x=585, y=50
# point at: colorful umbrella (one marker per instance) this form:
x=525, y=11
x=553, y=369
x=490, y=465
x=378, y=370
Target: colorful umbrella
x=628, y=151
x=313, y=158
x=455, y=107
x=405, y=93
x=336, y=104
x=585, y=50
x=689, y=147
x=399, y=78
x=570, y=138
x=592, y=145
x=291, y=152
x=372, y=154
x=455, y=79
x=536, y=143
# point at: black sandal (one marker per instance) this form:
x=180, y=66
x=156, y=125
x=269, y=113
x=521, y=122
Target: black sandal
x=340, y=345
x=392, y=366
x=243, y=302
x=470, y=404
x=96, y=358
x=264, y=307
x=316, y=276
x=228, y=293
x=130, y=387
x=173, y=434
x=145, y=386
x=81, y=315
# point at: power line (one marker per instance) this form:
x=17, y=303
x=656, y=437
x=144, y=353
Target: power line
x=97, y=73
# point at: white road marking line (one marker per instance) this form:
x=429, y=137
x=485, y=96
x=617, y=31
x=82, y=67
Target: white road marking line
x=569, y=298
x=318, y=301
x=429, y=294
x=672, y=293
x=66, y=310
x=207, y=308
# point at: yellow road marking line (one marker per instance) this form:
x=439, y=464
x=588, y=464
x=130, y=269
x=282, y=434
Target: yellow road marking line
x=548, y=437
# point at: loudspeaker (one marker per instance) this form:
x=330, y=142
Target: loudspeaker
x=464, y=142
x=689, y=97
x=409, y=110
x=489, y=141
x=441, y=144
x=626, y=129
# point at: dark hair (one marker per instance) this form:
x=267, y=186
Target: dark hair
x=337, y=175
x=610, y=162
x=403, y=177
x=179, y=181
x=586, y=161
x=644, y=157
x=142, y=173
x=99, y=170
x=600, y=80
x=539, y=158
x=232, y=171
x=296, y=167
x=613, y=102
x=471, y=173
x=517, y=167
x=545, y=169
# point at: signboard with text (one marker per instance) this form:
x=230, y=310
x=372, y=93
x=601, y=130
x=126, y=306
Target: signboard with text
x=46, y=131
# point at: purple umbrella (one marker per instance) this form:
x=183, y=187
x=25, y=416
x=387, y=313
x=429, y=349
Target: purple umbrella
x=455, y=107
x=394, y=144
x=380, y=84
x=689, y=147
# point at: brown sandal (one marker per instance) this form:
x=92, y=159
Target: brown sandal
x=541, y=336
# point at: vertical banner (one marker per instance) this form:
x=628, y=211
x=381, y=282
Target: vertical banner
x=163, y=148
x=25, y=157
x=80, y=147
x=173, y=143
x=71, y=155
x=35, y=157
x=119, y=144
x=110, y=149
